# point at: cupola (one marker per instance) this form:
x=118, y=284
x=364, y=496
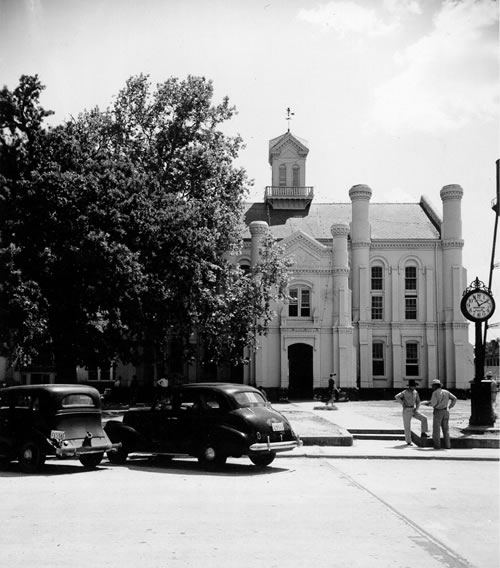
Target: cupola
x=287, y=157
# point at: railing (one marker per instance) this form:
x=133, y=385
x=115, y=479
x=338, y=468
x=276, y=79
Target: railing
x=287, y=192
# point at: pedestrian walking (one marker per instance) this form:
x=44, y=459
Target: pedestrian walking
x=134, y=389
x=332, y=391
x=163, y=394
x=410, y=401
x=441, y=401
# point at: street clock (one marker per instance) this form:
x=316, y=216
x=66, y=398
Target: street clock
x=477, y=302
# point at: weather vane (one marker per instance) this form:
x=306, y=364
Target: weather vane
x=289, y=115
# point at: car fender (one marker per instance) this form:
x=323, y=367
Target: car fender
x=41, y=439
x=229, y=435
x=119, y=432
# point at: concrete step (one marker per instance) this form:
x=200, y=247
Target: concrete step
x=377, y=434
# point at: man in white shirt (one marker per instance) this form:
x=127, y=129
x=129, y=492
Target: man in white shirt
x=410, y=401
x=441, y=401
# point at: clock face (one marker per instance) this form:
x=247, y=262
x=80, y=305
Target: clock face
x=478, y=306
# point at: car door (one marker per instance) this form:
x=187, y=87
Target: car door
x=16, y=421
x=162, y=432
x=6, y=437
x=186, y=421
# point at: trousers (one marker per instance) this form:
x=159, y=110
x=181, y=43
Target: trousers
x=408, y=414
x=440, y=421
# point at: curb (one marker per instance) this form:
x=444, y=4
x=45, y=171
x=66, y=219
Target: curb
x=384, y=453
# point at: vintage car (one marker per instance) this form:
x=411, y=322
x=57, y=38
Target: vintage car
x=64, y=421
x=210, y=421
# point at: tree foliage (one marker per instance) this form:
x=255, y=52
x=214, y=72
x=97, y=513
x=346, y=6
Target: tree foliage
x=115, y=228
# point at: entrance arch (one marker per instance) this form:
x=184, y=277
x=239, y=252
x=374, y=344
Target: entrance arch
x=300, y=371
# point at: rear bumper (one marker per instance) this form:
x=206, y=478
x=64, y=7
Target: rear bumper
x=74, y=452
x=275, y=446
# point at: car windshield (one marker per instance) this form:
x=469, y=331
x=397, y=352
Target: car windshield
x=76, y=399
x=247, y=399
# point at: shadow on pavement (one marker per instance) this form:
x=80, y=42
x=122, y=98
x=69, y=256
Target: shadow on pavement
x=190, y=466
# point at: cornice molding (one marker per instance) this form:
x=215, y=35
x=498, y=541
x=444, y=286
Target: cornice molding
x=360, y=192
x=360, y=244
x=258, y=228
x=319, y=271
x=343, y=330
x=457, y=243
x=405, y=245
x=339, y=230
x=298, y=330
x=455, y=325
x=451, y=192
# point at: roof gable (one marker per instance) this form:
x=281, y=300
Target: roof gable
x=295, y=144
x=303, y=247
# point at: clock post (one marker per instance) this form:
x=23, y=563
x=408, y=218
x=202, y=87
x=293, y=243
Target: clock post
x=478, y=306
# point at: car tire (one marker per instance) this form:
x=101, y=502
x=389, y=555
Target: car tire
x=31, y=457
x=263, y=460
x=118, y=456
x=91, y=461
x=210, y=456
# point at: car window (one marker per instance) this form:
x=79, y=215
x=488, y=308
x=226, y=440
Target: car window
x=22, y=401
x=77, y=399
x=247, y=399
x=212, y=401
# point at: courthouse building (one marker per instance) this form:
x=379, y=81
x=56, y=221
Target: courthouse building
x=375, y=287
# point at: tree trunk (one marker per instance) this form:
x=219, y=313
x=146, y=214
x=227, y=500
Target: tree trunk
x=65, y=362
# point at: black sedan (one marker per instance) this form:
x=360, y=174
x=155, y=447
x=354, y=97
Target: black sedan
x=210, y=421
x=57, y=420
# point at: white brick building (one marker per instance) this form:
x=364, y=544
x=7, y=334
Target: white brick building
x=376, y=287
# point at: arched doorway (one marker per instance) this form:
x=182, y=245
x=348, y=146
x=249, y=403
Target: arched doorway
x=300, y=371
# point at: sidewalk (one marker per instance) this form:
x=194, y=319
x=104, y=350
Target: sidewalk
x=372, y=415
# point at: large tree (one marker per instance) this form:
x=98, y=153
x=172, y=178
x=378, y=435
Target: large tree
x=116, y=228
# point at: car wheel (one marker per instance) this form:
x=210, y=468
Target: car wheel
x=210, y=456
x=118, y=456
x=31, y=457
x=262, y=460
x=91, y=461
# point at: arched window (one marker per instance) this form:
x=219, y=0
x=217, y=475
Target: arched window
x=300, y=302
x=296, y=176
x=245, y=266
x=282, y=172
x=410, y=277
x=377, y=287
x=377, y=281
x=411, y=292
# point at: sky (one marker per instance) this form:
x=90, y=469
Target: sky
x=402, y=95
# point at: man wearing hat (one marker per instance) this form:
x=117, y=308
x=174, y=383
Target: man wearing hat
x=441, y=401
x=410, y=401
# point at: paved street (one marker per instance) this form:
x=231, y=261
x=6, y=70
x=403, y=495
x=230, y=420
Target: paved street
x=300, y=512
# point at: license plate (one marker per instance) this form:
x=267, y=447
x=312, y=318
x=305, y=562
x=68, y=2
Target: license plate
x=57, y=435
x=278, y=427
